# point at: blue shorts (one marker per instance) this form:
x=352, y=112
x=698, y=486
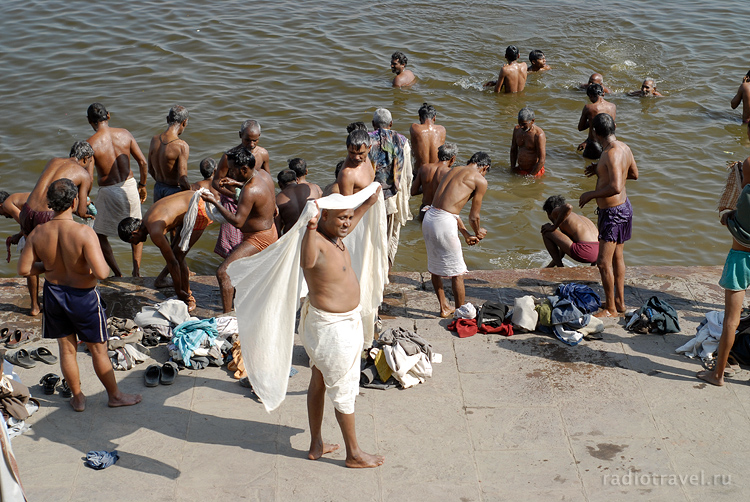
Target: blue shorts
x=162, y=190
x=736, y=274
x=69, y=311
x=615, y=223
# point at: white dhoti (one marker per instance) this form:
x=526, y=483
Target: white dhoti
x=444, y=254
x=333, y=342
x=114, y=203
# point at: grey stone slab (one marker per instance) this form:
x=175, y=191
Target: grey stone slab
x=510, y=428
x=597, y=417
x=490, y=390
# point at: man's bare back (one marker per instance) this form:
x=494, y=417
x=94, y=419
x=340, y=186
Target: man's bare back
x=425, y=140
x=457, y=187
x=614, y=167
x=512, y=77
x=56, y=169
x=291, y=202
x=168, y=154
x=743, y=95
x=425, y=183
x=577, y=227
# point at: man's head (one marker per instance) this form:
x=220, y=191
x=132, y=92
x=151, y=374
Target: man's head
x=596, y=78
x=178, y=115
x=382, y=119
x=82, y=152
x=358, y=145
x=553, y=203
x=526, y=118
x=356, y=125
x=336, y=222
x=250, y=134
x=603, y=125
x=398, y=62
x=481, y=160
x=648, y=87
x=241, y=163
x=427, y=112
x=299, y=166
x=447, y=151
x=132, y=230
x=537, y=58
x=97, y=113
x=511, y=53
x=594, y=91
x=61, y=194
x=286, y=178
x=207, y=167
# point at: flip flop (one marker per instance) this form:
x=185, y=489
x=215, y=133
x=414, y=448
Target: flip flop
x=152, y=376
x=4, y=335
x=17, y=339
x=65, y=389
x=43, y=354
x=20, y=358
x=168, y=373
x=49, y=382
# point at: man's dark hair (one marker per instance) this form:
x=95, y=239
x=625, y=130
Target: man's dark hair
x=593, y=90
x=603, y=125
x=3, y=196
x=447, y=151
x=241, y=157
x=481, y=159
x=427, y=112
x=207, y=167
x=299, y=166
x=127, y=226
x=748, y=73
x=96, y=113
x=61, y=194
x=339, y=167
x=400, y=57
x=535, y=55
x=553, y=203
x=286, y=176
x=356, y=125
x=81, y=150
x=177, y=115
x=511, y=53
x=358, y=138
x=593, y=149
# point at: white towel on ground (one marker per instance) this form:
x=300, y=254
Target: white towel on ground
x=706, y=340
x=444, y=254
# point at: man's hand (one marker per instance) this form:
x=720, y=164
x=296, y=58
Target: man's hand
x=471, y=240
x=548, y=227
x=229, y=182
x=491, y=83
x=209, y=197
x=481, y=233
x=585, y=199
x=590, y=169
x=142, y=193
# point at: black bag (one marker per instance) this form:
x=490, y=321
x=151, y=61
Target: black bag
x=493, y=314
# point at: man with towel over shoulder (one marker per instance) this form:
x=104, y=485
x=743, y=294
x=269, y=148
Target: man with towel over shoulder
x=442, y=224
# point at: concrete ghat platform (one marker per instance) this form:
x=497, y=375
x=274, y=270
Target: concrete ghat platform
x=519, y=418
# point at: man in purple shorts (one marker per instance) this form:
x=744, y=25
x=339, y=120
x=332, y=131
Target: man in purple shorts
x=69, y=255
x=615, y=213
x=568, y=234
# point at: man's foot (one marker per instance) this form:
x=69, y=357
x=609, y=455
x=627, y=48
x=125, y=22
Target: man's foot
x=446, y=313
x=606, y=313
x=78, y=402
x=365, y=460
x=191, y=304
x=165, y=282
x=708, y=376
x=318, y=450
x=136, y=273
x=124, y=400
x=35, y=311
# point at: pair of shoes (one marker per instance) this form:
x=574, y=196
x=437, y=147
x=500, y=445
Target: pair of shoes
x=164, y=374
x=49, y=382
x=65, y=389
x=17, y=339
x=44, y=355
x=20, y=358
x=4, y=335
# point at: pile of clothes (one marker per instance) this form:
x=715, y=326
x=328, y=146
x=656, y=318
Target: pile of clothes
x=124, y=345
x=656, y=316
x=398, y=358
x=16, y=403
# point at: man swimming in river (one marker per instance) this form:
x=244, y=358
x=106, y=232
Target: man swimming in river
x=591, y=149
x=538, y=61
x=743, y=96
x=528, y=147
x=512, y=77
x=648, y=88
x=426, y=136
x=404, y=77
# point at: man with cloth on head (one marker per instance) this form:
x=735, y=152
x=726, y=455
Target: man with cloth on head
x=118, y=196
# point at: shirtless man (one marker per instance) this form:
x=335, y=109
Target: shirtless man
x=35, y=211
x=299, y=166
x=426, y=137
x=648, y=88
x=538, y=61
x=615, y=212
x=164, y=216
x=256, y=211
x=426, y=181
x=442, y=224
x=598, y=105
x=528, y=147
x=357, y=172
x=596, y=78
x=10, y=207
x=207, y=168
x=69, y=256
x=568, y=234
x=333, y=300
x=290, y=201
x=119, y=196
x=168, y=156
x=743, y=96
x=512, y=76
x=404, y=77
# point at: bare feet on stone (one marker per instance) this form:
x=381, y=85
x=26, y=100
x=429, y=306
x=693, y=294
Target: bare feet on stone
x=78, y=402
x=124, y=400
x=446, y=312
x=365, y=460
x=708, y=376
x=606, y=313
x=35, y=311
x=320, y=449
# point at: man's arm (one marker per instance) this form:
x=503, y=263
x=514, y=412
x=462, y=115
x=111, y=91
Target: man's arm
x=737, y=99
x=560, y=214
x=541, y=151
x=500, y=80
x=160, y=240
x=583, y=122
x=416, y=187
x=345, y=182
x=150, y=161
x=309, y=250
x=266, y=161
x=92, y=253
x=28, y=262
x=244, y=206
x=137, y=154
x=632, y=171
x=182, y=167
x=514, y=148
x=476, y=207
x=220, y=173
x=83, y=194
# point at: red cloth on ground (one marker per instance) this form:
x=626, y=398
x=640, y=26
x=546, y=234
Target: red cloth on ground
x=503, y=329
x=464, y=327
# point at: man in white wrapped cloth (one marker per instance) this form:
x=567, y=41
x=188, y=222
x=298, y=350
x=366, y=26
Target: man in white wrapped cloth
x=331, y=328
x=442, y=224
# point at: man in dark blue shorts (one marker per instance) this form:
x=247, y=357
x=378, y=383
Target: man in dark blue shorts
x=69, y=255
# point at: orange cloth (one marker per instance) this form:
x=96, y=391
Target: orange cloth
x=201, y=219
x=261, y=240
x=526, y=173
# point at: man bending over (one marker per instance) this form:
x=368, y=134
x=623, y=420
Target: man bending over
x=568, y=234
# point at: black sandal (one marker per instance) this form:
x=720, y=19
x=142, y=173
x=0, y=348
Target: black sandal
x=49, y=382
x=65, y=389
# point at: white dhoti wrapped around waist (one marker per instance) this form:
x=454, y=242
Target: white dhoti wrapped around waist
x=444, y=254
x=333, y=342
x=114, y=203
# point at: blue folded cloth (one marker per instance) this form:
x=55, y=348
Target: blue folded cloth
x=101, y=459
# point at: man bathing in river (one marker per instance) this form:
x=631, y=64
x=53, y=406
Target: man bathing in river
x=512, y=77
x=591, y=149
x=568, y=234
x=168, y=156
x=538, y=61
x=648, y=88
x=330, y=322
x=69, y=256
x=615, y=212
x=743, y=96
x=596, y=78
x=404, y=77
x=528, y=147
x=426, y=136
x=429, y=176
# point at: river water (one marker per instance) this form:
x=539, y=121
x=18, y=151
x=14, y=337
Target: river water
x=307, y=69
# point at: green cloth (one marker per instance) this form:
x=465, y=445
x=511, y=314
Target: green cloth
x=544, y=310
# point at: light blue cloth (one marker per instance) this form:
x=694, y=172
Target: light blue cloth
x=101, y=459
x=189, y=335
